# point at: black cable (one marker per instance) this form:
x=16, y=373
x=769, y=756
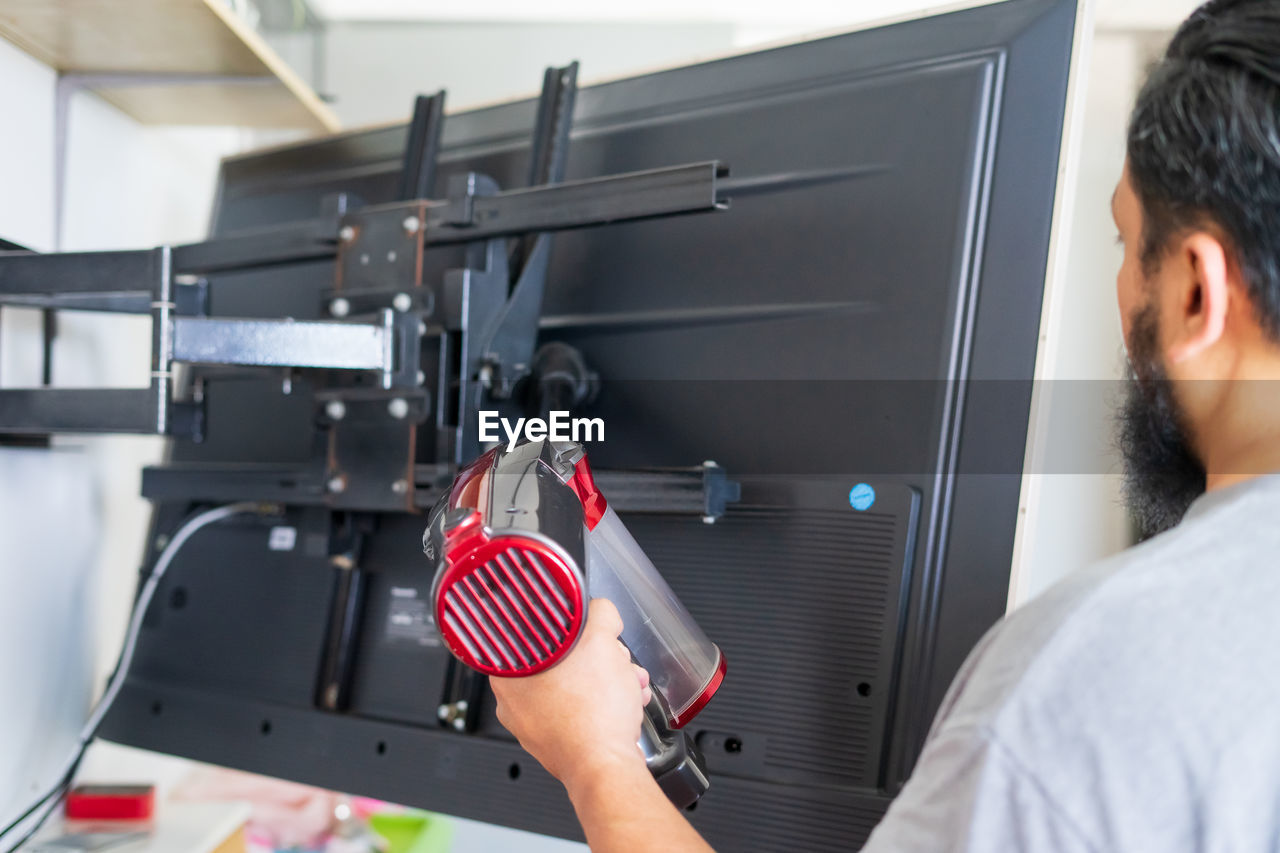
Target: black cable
x=59, y=790
x=54, y=795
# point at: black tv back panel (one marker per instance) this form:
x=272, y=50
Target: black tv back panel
x=857, y=354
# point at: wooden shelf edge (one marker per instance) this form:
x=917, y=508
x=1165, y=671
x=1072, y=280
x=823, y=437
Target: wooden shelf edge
x=325, y=117
x=314, y=115
x=28, y=47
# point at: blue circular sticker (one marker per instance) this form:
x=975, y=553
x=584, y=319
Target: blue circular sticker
x=862, y=497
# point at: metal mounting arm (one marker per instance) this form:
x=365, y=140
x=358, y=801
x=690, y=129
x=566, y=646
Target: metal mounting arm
x=440, y=348
x=130, y=280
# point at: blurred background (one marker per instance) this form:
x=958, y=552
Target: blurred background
x=97, y=157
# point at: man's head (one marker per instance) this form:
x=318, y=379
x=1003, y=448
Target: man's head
x=1198, y=210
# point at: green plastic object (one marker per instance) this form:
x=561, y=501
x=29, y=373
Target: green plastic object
x=413, y=831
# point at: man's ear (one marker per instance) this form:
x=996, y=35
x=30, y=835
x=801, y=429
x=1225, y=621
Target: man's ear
x=1198, y=316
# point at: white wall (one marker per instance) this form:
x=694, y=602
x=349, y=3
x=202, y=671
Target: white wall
x=47, y=612
x=26, y=175
x=1076, y=516
x=71, y=518
x=1144, y=15
x=378, y=55
x=374, y=69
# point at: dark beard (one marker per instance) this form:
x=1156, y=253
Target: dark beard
x=1162, y=475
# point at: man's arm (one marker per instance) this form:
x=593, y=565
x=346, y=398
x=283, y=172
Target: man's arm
x=623, y=809
x=581, y=719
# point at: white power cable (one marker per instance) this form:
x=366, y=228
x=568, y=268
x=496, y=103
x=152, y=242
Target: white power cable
x=53, y=796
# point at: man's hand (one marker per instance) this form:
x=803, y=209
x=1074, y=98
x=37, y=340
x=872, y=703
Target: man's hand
x=580, y=718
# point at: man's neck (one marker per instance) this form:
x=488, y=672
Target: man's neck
x=1242, y=436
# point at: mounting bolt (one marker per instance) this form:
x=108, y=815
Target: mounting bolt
x=708, y=519
x=364, y=259
x=335, y=409
x=422, y=377
x=337, y=484
x=347, y=234
x=403, y=302
x=391, y=256
x=398, y=408
x=339, y=307
x=422, y=328
x=710, y=463
x=411, y=224
x=400, y=487
x=454, y=714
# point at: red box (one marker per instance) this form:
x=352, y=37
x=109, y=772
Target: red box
x=111, y=802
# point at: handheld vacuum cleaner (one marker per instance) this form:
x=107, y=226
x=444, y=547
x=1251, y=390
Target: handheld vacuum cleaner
x=521, y=542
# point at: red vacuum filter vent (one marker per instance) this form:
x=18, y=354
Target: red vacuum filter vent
x=508, y=606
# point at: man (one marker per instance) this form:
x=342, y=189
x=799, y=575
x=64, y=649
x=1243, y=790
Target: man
x=1135, y=706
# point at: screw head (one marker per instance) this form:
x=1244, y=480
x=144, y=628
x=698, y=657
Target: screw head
x=710, y=463
x=708, y=519
x=364, y=259
x=411, y=224
x=347, y=234
x=422, y=328
x=398, y=408
x=339, y=307
x=403, y=302
x=400, y=487
x=422, y=377
x=391, y=256
x=459, y=724
x=337, y=484
x=162, y=542
x=442, y=712
x=335, y=409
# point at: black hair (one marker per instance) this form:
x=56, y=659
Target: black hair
x=1204, y=143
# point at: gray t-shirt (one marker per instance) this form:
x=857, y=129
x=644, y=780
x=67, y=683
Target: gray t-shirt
x=1133, y=707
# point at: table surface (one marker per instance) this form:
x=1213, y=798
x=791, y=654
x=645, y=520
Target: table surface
x=177, y=828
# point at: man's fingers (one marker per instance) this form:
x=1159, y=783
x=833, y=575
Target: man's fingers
x=603, y=616
x=646, y=692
